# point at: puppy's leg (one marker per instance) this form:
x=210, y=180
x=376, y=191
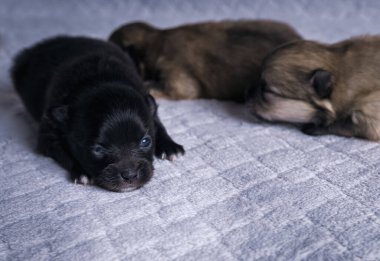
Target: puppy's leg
x=159, y=94
x=335, y=128
x=166, y=148
x=342, y=127
x=156, y=89
x=178, y=85
x=50, y=144
x=361, y=123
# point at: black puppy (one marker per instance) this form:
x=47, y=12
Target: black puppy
x=96, y=118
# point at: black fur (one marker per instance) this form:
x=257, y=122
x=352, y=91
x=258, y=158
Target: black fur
x=96, y=118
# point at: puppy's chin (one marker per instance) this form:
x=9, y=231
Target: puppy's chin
x=279, y=109
x=114, y=182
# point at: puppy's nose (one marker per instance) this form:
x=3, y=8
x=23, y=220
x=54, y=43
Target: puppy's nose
x=128, y=175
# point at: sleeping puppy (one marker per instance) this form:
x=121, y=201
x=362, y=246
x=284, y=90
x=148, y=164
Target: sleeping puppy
x=215, y=60
x=330, y=89
x=95, y=117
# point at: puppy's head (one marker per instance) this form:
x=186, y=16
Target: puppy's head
x=132, y=34
x=135, y=39
x=110, y=133
x=297, y=81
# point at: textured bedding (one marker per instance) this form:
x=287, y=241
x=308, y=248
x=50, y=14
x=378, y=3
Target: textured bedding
x=243, y=191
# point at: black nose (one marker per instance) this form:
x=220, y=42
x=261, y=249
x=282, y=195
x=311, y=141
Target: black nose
x=128, y=175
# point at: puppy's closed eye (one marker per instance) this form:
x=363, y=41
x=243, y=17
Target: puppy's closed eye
x=98, y=151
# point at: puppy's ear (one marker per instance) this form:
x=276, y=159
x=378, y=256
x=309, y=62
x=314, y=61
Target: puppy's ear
x=152, y=104
x=322, y=82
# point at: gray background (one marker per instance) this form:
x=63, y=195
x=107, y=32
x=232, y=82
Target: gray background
x=243, y=191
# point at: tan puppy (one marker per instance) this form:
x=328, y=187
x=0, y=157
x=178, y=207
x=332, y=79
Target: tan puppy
x=332, y=89
x=217, y=60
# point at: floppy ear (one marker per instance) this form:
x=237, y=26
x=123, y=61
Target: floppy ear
x=152, y=104
x=322, y=82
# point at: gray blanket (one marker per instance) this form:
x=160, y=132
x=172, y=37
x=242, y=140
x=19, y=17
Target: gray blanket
x=244, y=191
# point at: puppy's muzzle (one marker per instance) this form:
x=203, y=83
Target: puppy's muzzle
x=126, y=175
x=129, y=172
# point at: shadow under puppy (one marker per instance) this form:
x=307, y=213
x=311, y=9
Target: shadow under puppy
x=330, y=89
x=216, y=60
x=95, y=117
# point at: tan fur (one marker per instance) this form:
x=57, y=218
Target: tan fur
x=287, y=110
x=352, y=109
x=217, y=60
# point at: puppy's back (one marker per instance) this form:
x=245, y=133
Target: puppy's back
x=234, y=47
x=279, y=31
x=209, y=60
x=34, y=67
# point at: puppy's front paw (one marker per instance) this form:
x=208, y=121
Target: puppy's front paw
x=82, y=179
x=168, y=149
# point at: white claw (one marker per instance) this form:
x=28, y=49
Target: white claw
x=163, y=156
x=84, y=180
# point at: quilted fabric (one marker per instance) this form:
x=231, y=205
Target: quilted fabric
x=244, y=191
